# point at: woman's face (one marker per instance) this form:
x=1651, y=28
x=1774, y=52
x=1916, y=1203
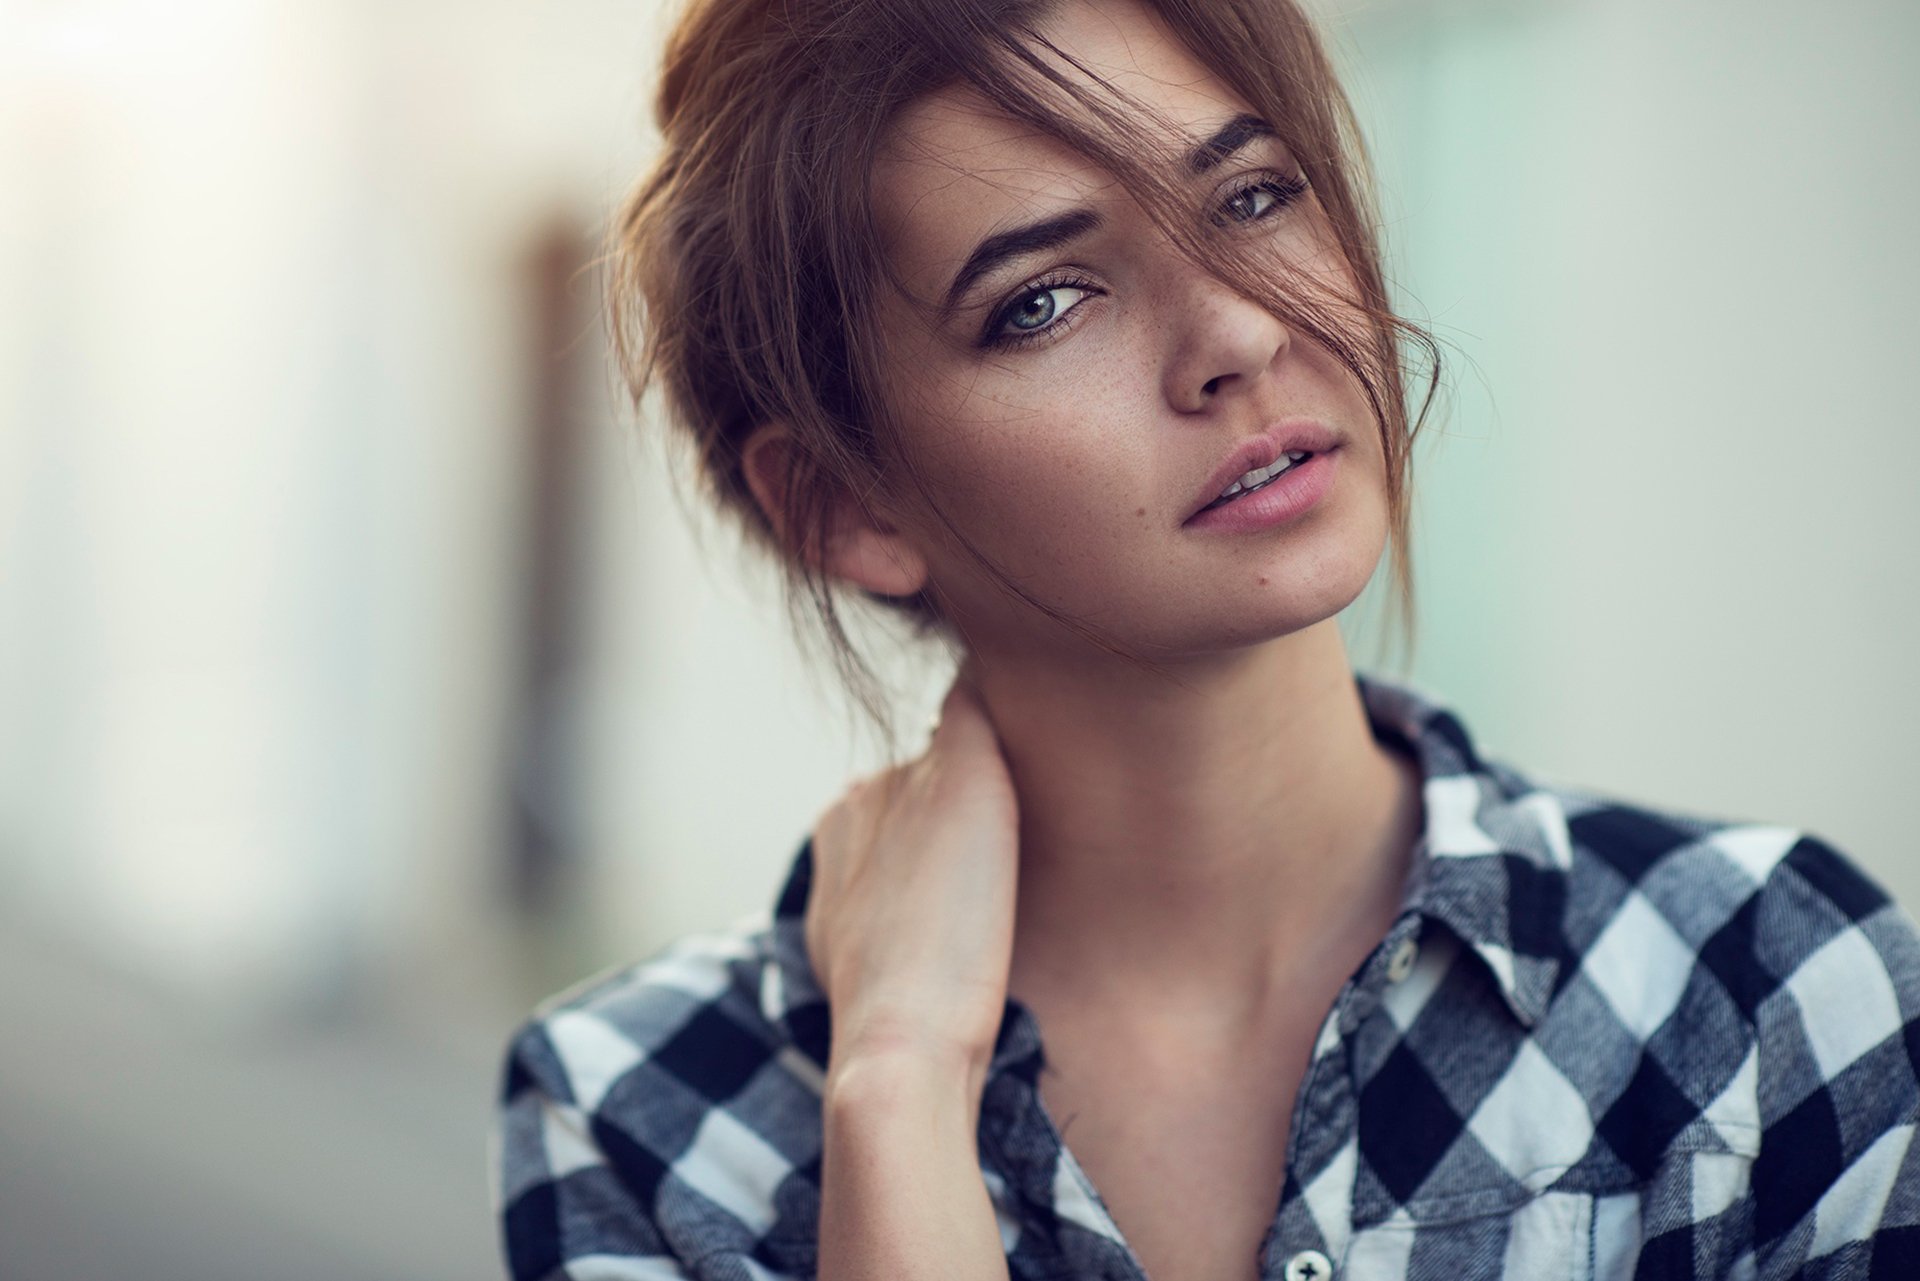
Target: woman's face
x=1078, y=398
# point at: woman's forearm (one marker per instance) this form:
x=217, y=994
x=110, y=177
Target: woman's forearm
x=902, y=1198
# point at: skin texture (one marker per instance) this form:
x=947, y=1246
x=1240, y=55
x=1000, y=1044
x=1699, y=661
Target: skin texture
x=1189, y=869
x=1073, y=461
x=1225, y=850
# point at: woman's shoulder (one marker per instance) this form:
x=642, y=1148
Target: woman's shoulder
x=1775, y=897
x=1770, y=909
x=703, y=1013
x=1603, y=885
x=1740, y=1003
x=669, y=1093
x=1647, y=883
x=1762, y=946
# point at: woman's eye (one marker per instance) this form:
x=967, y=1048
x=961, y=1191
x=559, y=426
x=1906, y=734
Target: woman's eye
x=1039, y=308
x=1263, y=197
x=1251, y=203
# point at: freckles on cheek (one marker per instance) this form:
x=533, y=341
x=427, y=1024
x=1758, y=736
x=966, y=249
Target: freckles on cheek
x=1028, y=443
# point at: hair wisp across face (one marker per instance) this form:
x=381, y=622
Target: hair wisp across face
x=753, y=283
x=1068, y=370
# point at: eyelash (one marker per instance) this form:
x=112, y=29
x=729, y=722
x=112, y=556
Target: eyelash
x=1284, y=190
x=998, y=335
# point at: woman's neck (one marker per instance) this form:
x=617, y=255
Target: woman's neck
x=1216, y=854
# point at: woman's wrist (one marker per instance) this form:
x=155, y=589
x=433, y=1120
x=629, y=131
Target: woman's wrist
x=869, y=1064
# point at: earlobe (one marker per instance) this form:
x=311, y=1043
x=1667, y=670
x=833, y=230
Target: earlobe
x=862, y=547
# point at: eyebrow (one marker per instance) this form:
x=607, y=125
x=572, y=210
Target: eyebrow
x=1229, y=138
x=1051, y=233
x=1033, y=237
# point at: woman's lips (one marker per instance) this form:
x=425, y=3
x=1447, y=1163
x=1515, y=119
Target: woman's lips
x=1287, y=436
x=1291, y=494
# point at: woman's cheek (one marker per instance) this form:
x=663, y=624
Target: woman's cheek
x=1029, y=442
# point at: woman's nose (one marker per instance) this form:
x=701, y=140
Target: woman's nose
x=1220, y=342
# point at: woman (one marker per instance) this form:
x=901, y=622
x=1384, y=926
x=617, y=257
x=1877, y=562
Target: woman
x=1059, y=329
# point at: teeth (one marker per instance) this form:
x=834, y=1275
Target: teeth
x=1262, y=474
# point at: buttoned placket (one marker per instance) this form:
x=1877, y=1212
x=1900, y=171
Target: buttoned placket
x=1326, y=1117
x=1020, y=1141
x=1401, y=963
x=1309, y=1265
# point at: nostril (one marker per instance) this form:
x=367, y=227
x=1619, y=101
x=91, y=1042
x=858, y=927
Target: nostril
x=1210, y=386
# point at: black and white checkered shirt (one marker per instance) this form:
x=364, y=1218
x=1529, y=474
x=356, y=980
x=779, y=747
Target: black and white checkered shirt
x=1599, y=1041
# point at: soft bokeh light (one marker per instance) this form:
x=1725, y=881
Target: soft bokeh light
x=363, y=680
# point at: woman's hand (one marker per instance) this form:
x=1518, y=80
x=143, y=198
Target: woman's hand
x=909, y=922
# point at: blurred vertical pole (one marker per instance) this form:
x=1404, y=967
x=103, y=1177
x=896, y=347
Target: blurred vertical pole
x=542, y=845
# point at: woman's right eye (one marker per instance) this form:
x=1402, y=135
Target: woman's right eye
x=1036, y=311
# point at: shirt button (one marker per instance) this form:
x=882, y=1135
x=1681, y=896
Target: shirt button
x=1309, y=1265
x=1400, y=964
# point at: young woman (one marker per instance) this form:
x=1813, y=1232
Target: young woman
x=1060, y=329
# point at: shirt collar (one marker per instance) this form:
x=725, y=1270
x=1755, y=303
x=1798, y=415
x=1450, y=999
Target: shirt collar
x=1492, y=862
x=791, y=997
x=1491, y=865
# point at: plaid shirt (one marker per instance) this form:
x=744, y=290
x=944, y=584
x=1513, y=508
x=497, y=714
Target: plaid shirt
x=1599, y=1041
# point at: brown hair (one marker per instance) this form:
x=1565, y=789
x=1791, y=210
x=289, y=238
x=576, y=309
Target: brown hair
x=745, y=263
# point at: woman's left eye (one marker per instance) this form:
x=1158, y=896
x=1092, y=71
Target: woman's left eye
x=1261, y=198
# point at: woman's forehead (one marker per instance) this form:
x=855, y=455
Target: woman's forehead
x=954, y=164
x=953, y=151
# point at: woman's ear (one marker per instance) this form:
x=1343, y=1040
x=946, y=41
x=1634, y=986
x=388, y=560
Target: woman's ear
x=862, y=547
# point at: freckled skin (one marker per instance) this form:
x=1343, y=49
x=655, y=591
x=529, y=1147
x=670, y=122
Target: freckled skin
x=1159, y=373
x=1203, y=861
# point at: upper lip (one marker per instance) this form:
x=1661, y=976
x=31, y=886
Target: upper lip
x=1261, y=451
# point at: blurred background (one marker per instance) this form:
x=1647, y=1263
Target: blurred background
x=362, y=682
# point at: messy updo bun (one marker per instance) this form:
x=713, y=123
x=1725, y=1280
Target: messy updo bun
x=746, y=263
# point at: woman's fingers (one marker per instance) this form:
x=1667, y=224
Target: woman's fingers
x=911, y=918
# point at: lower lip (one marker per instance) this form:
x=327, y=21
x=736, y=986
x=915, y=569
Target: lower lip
x=1299, y=489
